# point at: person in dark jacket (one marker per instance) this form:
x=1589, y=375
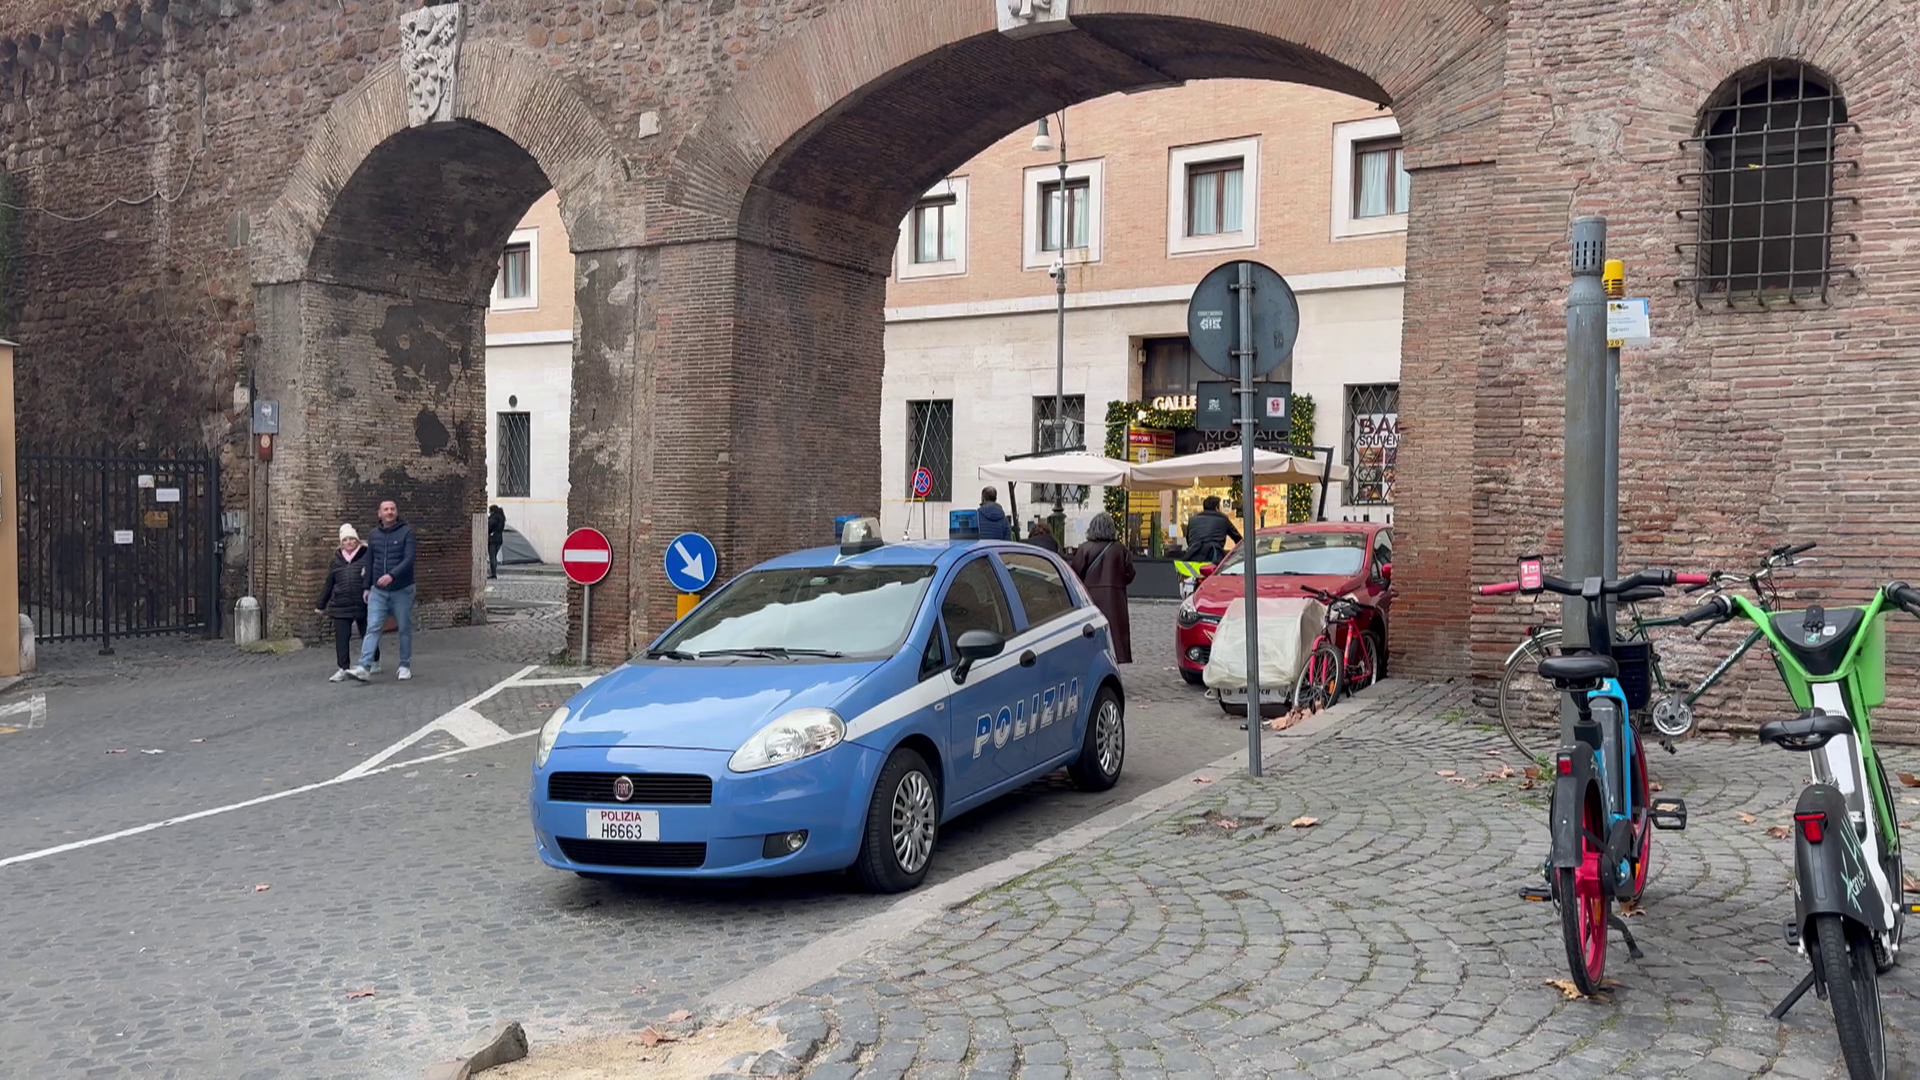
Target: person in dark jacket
x=390, y=563
x=993, y=519
x=1105, y=566
x=344, y=599
x=1039, y=534
x=1208, y=532
x=496, y=535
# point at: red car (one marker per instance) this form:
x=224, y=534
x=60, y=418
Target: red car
x=1340, y=557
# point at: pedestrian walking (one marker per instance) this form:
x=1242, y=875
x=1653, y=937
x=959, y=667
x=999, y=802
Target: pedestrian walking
x=993, y=518
x=496, y=535
x=344, y=600
x=1040, y=534
x=390, y=563
x=1106, y=568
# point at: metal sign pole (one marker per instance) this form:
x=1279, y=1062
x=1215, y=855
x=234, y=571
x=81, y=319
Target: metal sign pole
x=1585, y=458
x=1249, y=426
x=586, y=623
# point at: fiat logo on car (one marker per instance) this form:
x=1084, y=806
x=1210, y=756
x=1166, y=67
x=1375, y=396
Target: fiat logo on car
x=623, y=789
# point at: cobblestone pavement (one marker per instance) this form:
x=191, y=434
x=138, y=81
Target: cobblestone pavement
x=1386, y=940
x=157, y=954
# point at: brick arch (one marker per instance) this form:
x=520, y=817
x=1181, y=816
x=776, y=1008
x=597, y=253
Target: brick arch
x=939, y=80
x=501, y=89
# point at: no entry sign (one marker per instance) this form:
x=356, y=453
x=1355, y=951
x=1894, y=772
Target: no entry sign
x=586, y=556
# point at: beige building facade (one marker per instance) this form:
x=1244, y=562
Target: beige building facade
x=1161, y=187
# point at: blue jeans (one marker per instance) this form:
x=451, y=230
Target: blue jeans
x=380, y=604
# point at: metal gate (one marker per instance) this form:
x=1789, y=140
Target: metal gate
x=114, y=546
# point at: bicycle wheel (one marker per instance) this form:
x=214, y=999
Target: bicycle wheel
x=1641, y=807
x=1366, y=665
x=1529, y=705
x=1583, y=903
x=1853, y=989
x=1318, y=684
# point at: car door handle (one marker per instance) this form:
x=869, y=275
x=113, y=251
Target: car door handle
x=1027, y=658
x=1086, y=630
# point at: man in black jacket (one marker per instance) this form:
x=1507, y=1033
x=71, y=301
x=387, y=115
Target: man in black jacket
x=391, y=551
x=1208, y=532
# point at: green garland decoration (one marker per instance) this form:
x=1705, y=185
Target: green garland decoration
x=1301, y=498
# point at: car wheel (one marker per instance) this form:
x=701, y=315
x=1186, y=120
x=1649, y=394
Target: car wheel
x=1380, y=655
x=1192, y=677
x=903, y=825
x=1104, y=750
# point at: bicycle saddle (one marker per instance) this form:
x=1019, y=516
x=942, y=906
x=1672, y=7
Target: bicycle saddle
x=1642, y=594
x=1578, y=669
x=1809, y=732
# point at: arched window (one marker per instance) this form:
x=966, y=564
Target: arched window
x=1766, y=141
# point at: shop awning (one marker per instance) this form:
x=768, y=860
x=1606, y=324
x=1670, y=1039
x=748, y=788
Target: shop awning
x=1078, y=469
x=1224, y=465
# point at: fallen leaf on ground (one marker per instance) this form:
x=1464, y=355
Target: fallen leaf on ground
x=680, y=1016
x=1526, y=785
x=1655, y=786
x=1456, y=779
x=153, y=751
x=196, y=740
x=1779, y=832
x=1203, y=779
x=1503, y=773
x=1305, y=822
x=122, y=750
x=1495, y=753
x=468, y=776
x=1532, y=773
x=1631, y=907
x=1282, y=723
x=1226, y=823
x=1911, y=884
x=1566, y=988
x=368, y=992
x=653, y=1037
x=1763, y=959
x=1444, y=772
x=1909, y=779
x=1747, y=818
x=353, y=744
x=262, y=887
x=543, y=704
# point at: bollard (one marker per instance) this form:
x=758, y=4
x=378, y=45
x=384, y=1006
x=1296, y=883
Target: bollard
x=246, y=621
x=29, y=661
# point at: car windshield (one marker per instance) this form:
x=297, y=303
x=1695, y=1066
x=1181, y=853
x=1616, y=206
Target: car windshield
x=1334, y=554
x=826, y=611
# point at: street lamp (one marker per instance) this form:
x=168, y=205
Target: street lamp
x=1043, y=143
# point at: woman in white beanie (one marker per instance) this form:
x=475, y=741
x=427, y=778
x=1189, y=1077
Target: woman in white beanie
x=344, y=600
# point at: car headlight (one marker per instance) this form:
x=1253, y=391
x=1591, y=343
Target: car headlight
x=1189, y=611
x=549, y=734
x=801, y=733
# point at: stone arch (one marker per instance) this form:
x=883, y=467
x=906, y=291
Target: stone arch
x=499, y=88
x=795, y=180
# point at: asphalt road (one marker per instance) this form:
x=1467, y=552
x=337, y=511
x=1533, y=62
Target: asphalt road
x=240, y=942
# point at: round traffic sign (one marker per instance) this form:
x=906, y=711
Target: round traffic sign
x=692, y=562
x=586, y=556
x=922, y=482
x=1213, y=318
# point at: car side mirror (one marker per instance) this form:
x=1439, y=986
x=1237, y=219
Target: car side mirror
x=973, y=647
x=1207, y=570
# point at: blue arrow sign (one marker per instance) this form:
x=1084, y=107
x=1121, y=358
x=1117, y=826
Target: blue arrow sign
x=692, y=562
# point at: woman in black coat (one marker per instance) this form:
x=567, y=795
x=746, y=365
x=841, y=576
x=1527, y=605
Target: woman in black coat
x=344, y=600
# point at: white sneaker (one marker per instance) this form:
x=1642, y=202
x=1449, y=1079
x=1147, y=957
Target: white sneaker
x=373, y=668
x=339, y=676
x=357, y=673
x=404, y=673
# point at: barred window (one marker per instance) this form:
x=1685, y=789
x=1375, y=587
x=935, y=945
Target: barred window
x=515, y=463
x=1373, y=443
x=1048, y=435
x=1766, y=141
x=930, y=446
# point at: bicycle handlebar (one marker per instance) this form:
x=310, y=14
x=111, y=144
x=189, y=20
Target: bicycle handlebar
x=1905, y=596
x=1718, y=607
x=1502, y=588
x=1608, y=588
x=1787, y=551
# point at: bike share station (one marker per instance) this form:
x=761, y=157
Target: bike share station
x=1850, y=906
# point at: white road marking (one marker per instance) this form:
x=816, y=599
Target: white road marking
x=462, y=722
x=262, y=800
x=34, y=709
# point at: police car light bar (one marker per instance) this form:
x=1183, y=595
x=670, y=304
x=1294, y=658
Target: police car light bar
x=858, y=533
x=963, y=525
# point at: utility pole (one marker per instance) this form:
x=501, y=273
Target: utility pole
x=1584, y=462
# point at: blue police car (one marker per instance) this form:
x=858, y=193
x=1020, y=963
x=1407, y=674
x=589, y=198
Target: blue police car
x=828, y=710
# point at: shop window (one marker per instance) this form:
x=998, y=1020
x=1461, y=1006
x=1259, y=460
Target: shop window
x=1767, y=141
x=1048, y=435
x=930, y=446
x=514, y=479
x=516, y=279
x=1373, y=443
x=1042, y=591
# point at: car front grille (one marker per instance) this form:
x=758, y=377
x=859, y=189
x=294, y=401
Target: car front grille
x=634, y=854
x=649, y=789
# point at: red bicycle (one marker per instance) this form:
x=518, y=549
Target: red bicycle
x=1342, y=658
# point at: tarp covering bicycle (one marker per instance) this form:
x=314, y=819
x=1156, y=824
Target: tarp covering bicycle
x=1288, y=625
